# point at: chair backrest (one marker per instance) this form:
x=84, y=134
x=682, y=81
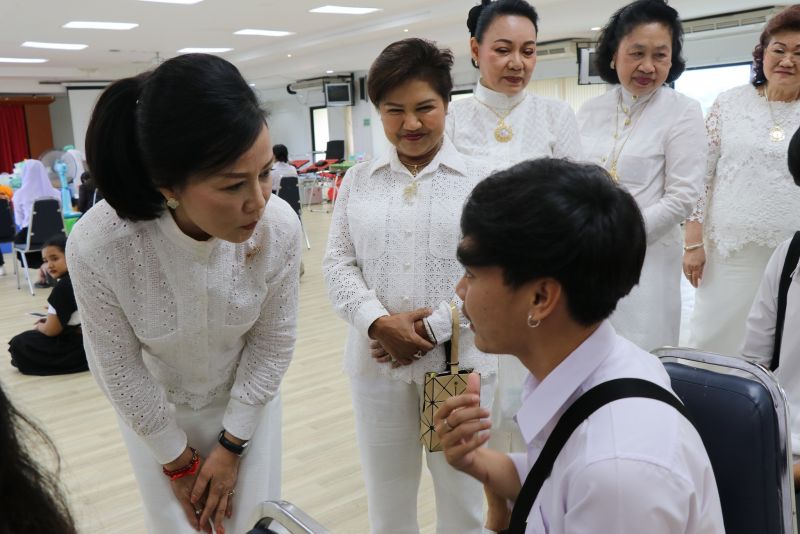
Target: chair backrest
x=285, y=517
x=290, y=192
x=742, y=416
x=335, y=150
x=7, y=227
x=46, y=222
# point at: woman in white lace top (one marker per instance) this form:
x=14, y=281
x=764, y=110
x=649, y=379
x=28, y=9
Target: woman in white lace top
x=390, y=263
x=652, y=141
x=187, y=288
x=502, y=121
x=751, y=203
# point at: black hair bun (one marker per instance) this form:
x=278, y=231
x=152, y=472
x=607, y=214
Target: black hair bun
x=474, y=15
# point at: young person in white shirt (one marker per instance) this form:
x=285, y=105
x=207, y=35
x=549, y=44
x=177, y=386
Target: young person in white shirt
x=652, y=141
x=282, y=167
x=549, y=248
x=187, y=283
x=760, y=332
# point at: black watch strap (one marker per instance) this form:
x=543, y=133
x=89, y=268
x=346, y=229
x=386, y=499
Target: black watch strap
x=229, y=445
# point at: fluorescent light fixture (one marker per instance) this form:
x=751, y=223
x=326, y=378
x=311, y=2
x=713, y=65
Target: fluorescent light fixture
x=187, y=2
x=54, y=46
x=21, y=60
x=264, y=33
x=288, y=55
x=204, y=50
x=343, y=10
x=328, y=72
x=405, y=30
x=595, y=28
x=88, y=25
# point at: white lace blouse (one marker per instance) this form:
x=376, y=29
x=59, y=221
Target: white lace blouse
x=542, y=127
x=387, y=255
x=750, y=195
x=662, y=153
x=170, y=320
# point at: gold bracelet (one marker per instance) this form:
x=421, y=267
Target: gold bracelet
x=687, y=248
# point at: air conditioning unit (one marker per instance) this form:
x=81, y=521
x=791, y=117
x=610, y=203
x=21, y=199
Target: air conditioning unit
x=565, y=48
x=730, y=23
x=310, y=84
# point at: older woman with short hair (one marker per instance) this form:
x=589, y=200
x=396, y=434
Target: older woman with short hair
x=390, y=268
x=651, y=140
x=751, y=204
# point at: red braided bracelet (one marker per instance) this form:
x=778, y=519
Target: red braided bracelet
x=188, y=469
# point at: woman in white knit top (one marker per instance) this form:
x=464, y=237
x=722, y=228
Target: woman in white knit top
x=187, y=288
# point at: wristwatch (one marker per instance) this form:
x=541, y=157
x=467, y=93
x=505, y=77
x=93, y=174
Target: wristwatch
x=238, y=450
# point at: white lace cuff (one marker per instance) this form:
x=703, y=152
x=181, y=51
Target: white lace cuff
x=168, y=444
x=241, y=419
x=441, y=323
x=366, y=314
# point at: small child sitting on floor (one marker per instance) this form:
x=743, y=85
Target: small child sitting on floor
x=55, y=346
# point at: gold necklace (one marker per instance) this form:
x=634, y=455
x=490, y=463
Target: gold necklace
x=503, y=133
x=776, y=133
x=410, y=191
x=615, y=154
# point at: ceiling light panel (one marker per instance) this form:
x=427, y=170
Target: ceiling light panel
x=204, y=50
x=89, y=25
x=54, y=46
x=21, y=60
x=264, y=33
x=344, y=10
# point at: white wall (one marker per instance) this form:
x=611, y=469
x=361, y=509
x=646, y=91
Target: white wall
x=81, y=104
x=290, y=125
x=61, y=122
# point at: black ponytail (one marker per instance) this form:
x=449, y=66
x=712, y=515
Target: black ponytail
x=113, y=155
x=191, y=117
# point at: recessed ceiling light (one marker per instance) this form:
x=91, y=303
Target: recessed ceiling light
x=54, y=46
x=203, y=50
x=596, y=28
x=328, y=72
x=251, y=84
x=265, y=33
x=405, y=30
x=21, y=60
x=187, y=2
x=288, y=55
x=344, y=10
x=87, y=25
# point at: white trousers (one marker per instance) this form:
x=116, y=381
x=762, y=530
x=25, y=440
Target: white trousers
x=259, y=471
x=724, y=298
x=387, y=429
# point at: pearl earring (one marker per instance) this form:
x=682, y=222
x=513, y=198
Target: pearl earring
x=612, y=65
x=532, y=323
x=173, y=203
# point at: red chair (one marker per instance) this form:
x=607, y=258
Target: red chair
x=297, y=163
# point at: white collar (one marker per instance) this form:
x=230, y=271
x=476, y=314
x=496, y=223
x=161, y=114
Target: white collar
x=498, y=100
x=199, y=249
x=542, y=401
x=447, y=156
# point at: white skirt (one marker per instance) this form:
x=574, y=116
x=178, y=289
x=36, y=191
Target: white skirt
x=724, y=297
x=259, y=471
x=650, y=315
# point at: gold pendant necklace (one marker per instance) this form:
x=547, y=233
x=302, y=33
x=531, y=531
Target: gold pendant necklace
x=776, y=132
x=503, y=133
x=615, y=154
x=410, y=191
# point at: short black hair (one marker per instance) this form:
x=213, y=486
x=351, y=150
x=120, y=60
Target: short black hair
x=410, y=59
x=555, y=218
x=481, y=16
x=59, y=241
x=794, y=156
x=281, y=153
x=164, y=126
x=624, y=21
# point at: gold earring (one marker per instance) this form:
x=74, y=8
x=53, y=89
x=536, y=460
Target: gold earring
x=173, y=203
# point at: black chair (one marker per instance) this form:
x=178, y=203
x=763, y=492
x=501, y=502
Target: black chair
x=742, y=416
x=290, y=192
x=7, y=227
x=46, y=222
x=286, y=516
x=334, y=150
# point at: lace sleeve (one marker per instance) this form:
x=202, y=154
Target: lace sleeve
x=713, y=129
x=270, y=341
x=568, y=142
x=352, y=299
x=115, y=358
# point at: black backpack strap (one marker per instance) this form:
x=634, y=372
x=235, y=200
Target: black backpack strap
x=588, y=403
x=789, y=265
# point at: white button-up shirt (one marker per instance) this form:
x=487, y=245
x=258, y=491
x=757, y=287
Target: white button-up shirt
x=390, y=252
x=759, y=337
x=170, y=320
x=636, y=465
